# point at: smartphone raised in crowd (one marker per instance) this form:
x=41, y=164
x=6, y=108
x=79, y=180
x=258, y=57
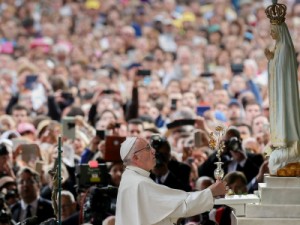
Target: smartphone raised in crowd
x=206, y=74
x=39, y=166
x=30, y=81
x=68, y=127
x=202, y=109
x=173, y=104
x=108, y=92
x=101, y=134
x=198, y=139
x=237, y=68
x=66, y=95
x=112, y=148
x=143, y=73
x=30, y=152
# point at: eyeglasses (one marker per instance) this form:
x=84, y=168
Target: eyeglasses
x=147, y=148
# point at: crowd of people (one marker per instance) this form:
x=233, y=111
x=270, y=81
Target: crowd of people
x=168, y=71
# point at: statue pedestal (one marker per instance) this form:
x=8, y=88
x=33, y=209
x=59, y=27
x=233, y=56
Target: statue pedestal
x=238, y=202
x=279, y=203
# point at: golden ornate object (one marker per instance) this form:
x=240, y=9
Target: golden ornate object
x=276, y=13
x=215, y=140
x=219, y=172
x=216, y=143
x=290, y=170
x=55, y=189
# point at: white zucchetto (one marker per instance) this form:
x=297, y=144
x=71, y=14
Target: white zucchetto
x=126, y=146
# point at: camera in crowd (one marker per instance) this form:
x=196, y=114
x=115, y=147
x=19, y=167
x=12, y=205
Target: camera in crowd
x=91, y=174
x=101, y=198
x=5, y=216
x=100, y=203
x=157, y=142
x=233, y=144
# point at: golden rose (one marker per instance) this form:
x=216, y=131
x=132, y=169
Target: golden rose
x=219, y=128
x=212, y=143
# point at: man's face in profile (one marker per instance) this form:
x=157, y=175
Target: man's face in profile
x=68, y=208
x=145, y=154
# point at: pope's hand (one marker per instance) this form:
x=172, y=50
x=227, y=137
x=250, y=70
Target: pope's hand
x=218, y=188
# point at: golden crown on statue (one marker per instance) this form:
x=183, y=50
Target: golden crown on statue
x=276, y=13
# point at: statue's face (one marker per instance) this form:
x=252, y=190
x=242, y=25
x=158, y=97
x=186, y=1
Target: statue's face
x=274, y=34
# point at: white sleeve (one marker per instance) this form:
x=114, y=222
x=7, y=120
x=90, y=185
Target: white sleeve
x=195, y=203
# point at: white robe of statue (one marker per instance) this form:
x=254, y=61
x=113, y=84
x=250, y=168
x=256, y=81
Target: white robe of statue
x=141, y=201
x=284, y=101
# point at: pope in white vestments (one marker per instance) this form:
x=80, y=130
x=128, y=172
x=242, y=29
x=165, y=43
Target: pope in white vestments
x=141, y=201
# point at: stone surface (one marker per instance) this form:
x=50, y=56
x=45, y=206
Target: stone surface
x=265, y=221
x=282, y=181
x=238, y=202
x=279, y=195
x=279, y=203
x=272, y=211
x=237, y=199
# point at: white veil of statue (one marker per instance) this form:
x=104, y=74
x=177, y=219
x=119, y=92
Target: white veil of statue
x=284, y=93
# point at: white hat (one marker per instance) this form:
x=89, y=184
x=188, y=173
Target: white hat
x=126, y=146
x=6, y=179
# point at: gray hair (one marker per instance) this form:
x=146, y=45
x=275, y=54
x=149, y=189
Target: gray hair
x=68, y=194
x=200, y=180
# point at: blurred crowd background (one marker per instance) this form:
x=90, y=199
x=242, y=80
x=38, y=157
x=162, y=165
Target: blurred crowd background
x=133, y=68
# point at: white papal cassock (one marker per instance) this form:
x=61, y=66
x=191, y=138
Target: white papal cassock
x=143, y=202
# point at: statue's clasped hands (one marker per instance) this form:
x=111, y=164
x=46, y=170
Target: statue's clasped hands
x=269, y=54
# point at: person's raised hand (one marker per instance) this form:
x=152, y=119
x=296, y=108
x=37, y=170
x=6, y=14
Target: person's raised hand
x=201, y=124
x=264, y=168
x=8, y=169
x=218, y=188
x=44, y=80
x=16, y=153
x=97, y=95
x=79, y=121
